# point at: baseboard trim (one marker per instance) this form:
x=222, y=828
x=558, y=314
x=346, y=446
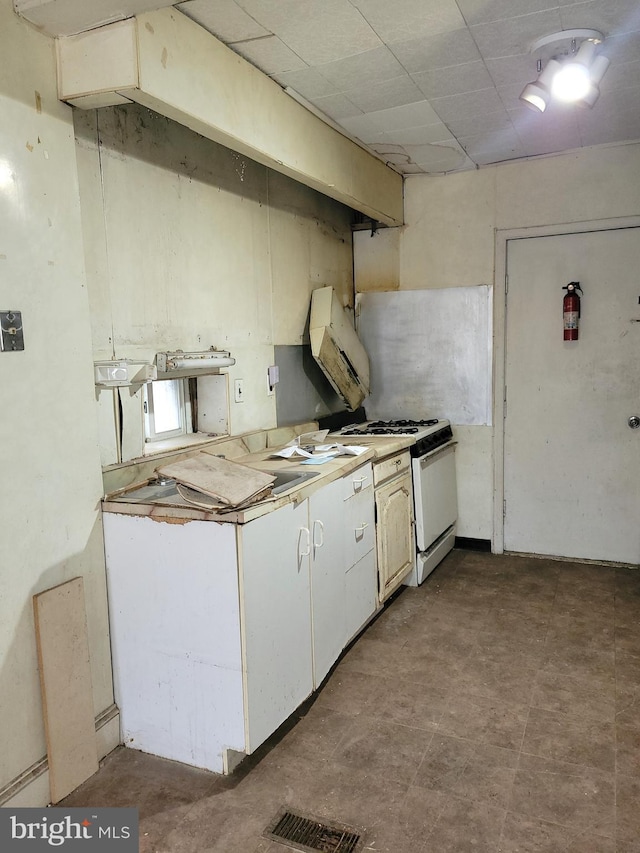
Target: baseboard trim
x=107, y=731
x=467, y=544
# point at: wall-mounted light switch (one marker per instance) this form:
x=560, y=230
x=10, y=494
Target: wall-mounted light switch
x=238, y=386
x=11, y=334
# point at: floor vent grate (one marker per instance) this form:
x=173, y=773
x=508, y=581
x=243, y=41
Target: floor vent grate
x=304, y=832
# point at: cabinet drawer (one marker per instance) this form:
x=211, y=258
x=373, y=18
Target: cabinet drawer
x=397, y=464
x=357, y=481
x=359, y=526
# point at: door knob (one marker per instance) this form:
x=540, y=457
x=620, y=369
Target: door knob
x=634, y=421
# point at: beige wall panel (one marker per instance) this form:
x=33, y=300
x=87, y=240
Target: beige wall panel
x=376, y=259
x=310, y=246
x=590, y=184
x=48, y=437
x=448, y=237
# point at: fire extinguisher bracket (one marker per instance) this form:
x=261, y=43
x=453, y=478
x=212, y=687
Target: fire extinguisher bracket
x=571, y=311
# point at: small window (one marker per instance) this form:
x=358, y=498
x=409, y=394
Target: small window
x=166, y=409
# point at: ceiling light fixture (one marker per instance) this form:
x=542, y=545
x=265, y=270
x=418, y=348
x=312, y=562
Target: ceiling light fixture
x=572, y=74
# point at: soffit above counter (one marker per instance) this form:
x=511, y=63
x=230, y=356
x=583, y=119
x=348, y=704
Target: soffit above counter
x=166, y=62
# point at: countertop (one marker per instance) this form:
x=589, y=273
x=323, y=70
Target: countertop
x=180, y=512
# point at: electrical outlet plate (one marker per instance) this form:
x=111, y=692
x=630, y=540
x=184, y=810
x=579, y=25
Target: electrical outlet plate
x=11, y=333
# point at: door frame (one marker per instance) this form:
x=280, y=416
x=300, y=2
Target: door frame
x=502, y=238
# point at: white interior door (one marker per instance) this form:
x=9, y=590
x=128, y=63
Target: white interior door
x=571, y=462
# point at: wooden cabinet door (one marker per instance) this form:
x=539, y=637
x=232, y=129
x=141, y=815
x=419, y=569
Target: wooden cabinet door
x=275, y=597
x=394, y=533
x=328, y=534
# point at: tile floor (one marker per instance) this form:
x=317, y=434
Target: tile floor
x=495, y=708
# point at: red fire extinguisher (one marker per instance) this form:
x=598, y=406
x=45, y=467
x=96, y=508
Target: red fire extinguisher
x=571, y=310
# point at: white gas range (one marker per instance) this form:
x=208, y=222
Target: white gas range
x=433, y=472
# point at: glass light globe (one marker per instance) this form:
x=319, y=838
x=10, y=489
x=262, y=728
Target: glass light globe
x=571, y=83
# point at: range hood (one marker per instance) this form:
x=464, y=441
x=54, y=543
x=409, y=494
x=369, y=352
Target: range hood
x=337, y=348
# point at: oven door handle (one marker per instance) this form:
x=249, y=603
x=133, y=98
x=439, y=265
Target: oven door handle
x=439, y=451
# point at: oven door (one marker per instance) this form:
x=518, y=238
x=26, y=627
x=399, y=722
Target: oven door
x=435, y=494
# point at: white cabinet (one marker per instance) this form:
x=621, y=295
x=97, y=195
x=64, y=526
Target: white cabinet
x=341, y=521
x=326, y=524
x=275, y=618
x=361, y=578
x=394, y=522
x=220, y=631
x=175, y=637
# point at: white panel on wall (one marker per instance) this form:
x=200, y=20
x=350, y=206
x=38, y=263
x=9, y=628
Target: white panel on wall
x=430, y=353
x=48, y=434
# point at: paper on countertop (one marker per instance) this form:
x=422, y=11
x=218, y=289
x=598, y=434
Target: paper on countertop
x=319, y=460
x=311, y=437
x=343, y=449
x=320, y=450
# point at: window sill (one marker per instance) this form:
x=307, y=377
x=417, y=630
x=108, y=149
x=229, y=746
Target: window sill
x=151, y=448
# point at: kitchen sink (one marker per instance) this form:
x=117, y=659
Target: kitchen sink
x=286, y=480
x=158, y=492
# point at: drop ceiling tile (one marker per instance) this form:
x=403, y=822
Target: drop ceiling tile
x=495, y=122
x=388, y=93
x=510, y=96
x=554, y=130
x=362, y=126
x=618, y=132
x=224, y=18
x=505, y=143
x=512, y=70
x=611, y=17
x=556, y=122
x=409, y=19
x=384, y=149
x=306, y=82
x=368, y=68
x=436, y=51
x=620, y=75
x=436, y=158
x=410, y=115
x=467, y=105
x=337, y=107
x=440, y=82
x=269, y=54
x=323, y=31
x=486, y=11
x=622, y=48
x=514, y=36
x=425, y=135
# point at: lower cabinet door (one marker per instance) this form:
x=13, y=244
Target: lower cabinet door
x=361, y=597
x=327, y=523
x=275, y=595
x=394, y=533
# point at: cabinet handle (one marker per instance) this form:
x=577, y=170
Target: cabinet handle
x=308, y=551
x=362, y=528
x=321, y=526
x=358, y=481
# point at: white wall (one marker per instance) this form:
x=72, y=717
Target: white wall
x=191, y=245
x=449, y=240
x=51, y=479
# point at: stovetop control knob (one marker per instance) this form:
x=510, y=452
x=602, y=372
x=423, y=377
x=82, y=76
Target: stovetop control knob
x=634, y=422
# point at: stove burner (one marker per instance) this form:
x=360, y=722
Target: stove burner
x=403, y=422
x=373, y=429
